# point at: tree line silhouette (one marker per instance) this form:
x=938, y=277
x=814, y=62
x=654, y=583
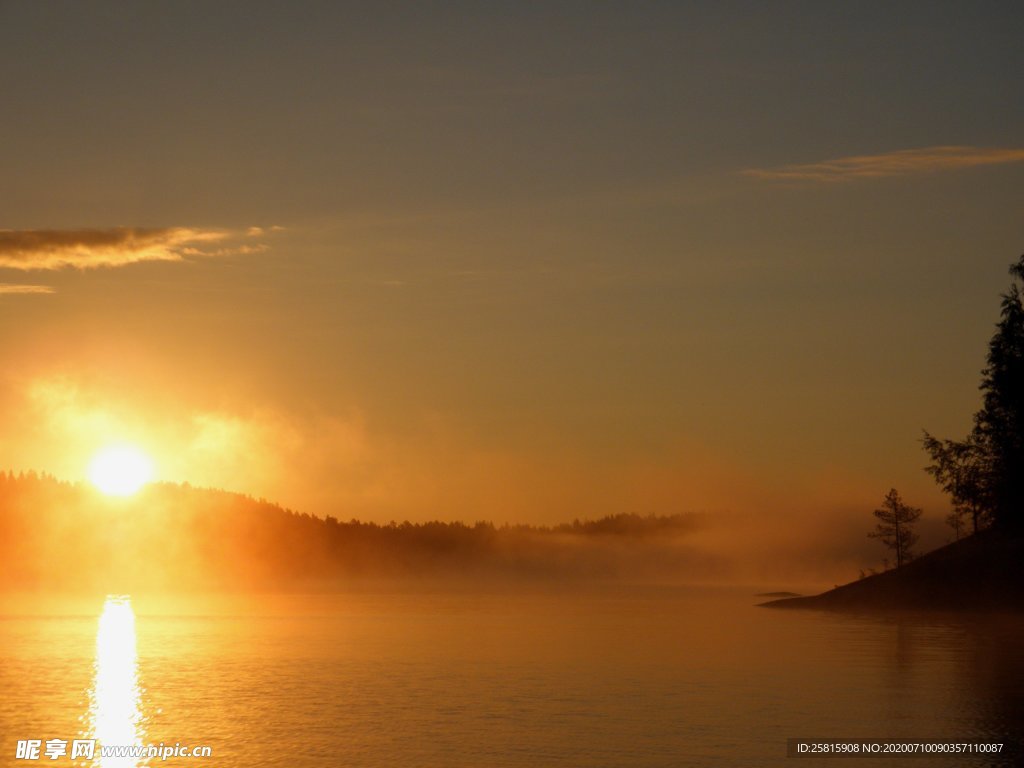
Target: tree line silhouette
x=54, y=533
x=983, y=473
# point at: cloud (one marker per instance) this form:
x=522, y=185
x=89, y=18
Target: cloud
x=50, y=249
x=899, y=163
x=25, y=289
x=260, y=231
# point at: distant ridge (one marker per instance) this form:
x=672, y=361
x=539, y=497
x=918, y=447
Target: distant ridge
x=984, y=573
x=169, y=537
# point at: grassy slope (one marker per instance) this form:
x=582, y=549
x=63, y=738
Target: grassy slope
x=979, y=573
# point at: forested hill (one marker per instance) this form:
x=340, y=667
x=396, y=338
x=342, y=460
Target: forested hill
x=60, y=535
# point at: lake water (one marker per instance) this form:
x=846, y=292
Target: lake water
x=619, y=677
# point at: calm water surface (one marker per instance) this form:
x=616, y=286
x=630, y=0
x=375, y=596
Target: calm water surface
x=623, y=677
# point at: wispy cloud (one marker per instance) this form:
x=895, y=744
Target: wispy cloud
x=23, y=289
x=898, y=163
x=49, y=249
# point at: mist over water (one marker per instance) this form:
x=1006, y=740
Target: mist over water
x=618, y=676
x=170, y=537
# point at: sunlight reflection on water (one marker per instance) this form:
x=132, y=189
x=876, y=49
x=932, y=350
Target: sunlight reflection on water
x=115, y=716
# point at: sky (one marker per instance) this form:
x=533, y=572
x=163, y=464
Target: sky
x=507, y=261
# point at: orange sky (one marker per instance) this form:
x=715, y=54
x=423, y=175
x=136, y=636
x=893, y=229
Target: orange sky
x=506, y=263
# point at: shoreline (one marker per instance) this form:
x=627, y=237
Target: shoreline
x=983, y=573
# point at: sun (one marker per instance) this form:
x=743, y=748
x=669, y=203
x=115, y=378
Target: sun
x=120, y=470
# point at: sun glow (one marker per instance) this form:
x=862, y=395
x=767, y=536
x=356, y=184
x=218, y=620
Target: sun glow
x=120, y=470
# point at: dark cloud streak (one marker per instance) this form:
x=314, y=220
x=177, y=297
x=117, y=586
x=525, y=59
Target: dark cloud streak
x=51, y=249
x=898, y=163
